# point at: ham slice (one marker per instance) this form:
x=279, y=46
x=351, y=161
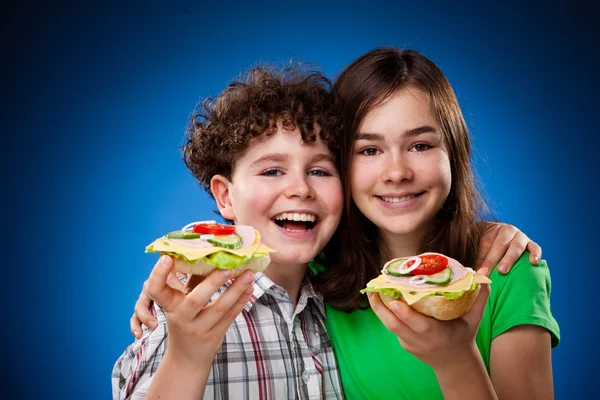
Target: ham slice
x=458, y=272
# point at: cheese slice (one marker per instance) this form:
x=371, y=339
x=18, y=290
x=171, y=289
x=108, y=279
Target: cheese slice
x=412, y=294
x=191, y=253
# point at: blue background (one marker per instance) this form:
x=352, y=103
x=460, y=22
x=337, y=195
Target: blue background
x=95, y=101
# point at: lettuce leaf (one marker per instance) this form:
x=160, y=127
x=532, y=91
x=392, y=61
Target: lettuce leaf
x=220, y=259
x=396, y=294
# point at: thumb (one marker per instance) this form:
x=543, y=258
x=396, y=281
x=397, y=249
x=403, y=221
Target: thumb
x=474, y=315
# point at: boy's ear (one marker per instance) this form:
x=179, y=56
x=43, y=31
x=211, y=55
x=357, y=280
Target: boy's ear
x=219, y=185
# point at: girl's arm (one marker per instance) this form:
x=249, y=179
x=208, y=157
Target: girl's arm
x=521, y=364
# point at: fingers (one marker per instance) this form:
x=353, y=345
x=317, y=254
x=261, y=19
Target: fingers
x=475, y=313
x=485, y=244
x=158, y=289
x=535, y=252
x=198, y=298
x=143, y=310
x=499, y=248
x=516, y=248
x=174, y=282
x=387, y=317
x=234, y=299
x=135, y=325
x=192, y=282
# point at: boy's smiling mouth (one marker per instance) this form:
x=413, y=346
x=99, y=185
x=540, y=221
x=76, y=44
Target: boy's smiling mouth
x=296, y=221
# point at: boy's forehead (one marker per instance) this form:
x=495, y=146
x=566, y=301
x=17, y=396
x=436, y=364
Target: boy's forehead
x=284, y=145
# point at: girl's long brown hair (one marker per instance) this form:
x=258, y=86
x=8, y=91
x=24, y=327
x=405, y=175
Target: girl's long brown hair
x=364, y=84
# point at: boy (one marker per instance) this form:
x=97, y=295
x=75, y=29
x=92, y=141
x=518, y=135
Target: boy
x=264, y=150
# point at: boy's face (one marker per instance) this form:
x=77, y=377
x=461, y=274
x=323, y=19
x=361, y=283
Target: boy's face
x=290, y=191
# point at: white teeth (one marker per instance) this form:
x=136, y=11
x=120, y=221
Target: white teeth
x=296, y=217
x=397, y=199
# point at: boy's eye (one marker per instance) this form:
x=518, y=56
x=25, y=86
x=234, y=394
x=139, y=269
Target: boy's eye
x=419, y=147
x=370, y=151
x=271, y=172
x=318, y=172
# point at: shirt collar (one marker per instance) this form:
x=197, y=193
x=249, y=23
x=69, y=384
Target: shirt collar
x=262, y=284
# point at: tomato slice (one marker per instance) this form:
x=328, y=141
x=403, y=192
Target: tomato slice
x=430, y=264
x=215, y=229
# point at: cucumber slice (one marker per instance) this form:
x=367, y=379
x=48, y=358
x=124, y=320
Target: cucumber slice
x=233, y=241
x=441, y=278
x=183, y=235
x=393, y=268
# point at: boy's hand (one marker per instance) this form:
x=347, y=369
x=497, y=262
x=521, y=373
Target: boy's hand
x=436, y=343
x=503, y=244
x=197, y=328
x=143, y=312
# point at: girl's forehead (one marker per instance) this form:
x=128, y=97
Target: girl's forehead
x=404, y=109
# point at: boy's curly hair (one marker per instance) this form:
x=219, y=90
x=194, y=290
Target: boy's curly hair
x=220, y=129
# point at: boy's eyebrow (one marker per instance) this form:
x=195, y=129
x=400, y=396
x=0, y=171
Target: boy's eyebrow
x=273, y=157
x=281, y=157
x=323, y=157
x=411, y=132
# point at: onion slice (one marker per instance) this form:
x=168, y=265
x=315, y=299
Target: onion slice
x=405, y=270
x=418, y=279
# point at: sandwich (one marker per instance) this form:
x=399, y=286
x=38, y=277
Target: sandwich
x=431, y=283
x=201, y=247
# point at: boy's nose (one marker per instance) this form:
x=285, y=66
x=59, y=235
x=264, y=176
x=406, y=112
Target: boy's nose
x=299, y=187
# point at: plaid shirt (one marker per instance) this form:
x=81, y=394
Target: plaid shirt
x=271, y=351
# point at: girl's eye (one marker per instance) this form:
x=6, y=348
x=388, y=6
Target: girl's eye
x=318, y=172
x=271, y=172
x=370, y=151
x=420, y=147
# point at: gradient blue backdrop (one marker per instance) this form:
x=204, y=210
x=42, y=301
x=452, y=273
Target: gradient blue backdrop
x=95, y=100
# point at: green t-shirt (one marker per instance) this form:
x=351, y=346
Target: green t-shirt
x=373, y=364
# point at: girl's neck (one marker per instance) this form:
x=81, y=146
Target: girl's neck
x=397, y=246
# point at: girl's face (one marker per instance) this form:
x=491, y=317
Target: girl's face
x=400, y=171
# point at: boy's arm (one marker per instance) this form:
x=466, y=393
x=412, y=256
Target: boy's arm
x=134, y=370
x=503, y=244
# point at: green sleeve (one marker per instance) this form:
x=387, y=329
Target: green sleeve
x=522, y=297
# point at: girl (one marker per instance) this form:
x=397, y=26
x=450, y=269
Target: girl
x=409, y=189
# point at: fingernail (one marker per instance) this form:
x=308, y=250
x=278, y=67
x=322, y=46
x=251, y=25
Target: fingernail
x=152, y=325
x=165, y=261
x=226, y=273
x=536, y=258
x=395, y=307
x=136, y=333
x=247, y=278
x=502, y=267
x=249, y=290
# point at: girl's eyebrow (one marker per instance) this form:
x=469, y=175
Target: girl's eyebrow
x=409, y=133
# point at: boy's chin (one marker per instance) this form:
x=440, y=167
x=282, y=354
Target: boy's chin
x=291, y=258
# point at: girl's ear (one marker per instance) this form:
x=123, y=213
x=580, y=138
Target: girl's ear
x=219, y=185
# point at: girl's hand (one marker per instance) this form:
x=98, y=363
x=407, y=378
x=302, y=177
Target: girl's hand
x=197, y=328
x=503, y=244
x=436, y=343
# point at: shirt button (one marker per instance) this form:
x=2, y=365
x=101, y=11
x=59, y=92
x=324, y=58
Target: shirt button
x=305, y=377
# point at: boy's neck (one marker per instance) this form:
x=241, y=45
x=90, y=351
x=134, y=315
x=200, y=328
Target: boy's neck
x=289, y=277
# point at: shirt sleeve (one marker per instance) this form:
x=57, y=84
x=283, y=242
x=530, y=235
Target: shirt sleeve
x=133, y=372
x=523, y=298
